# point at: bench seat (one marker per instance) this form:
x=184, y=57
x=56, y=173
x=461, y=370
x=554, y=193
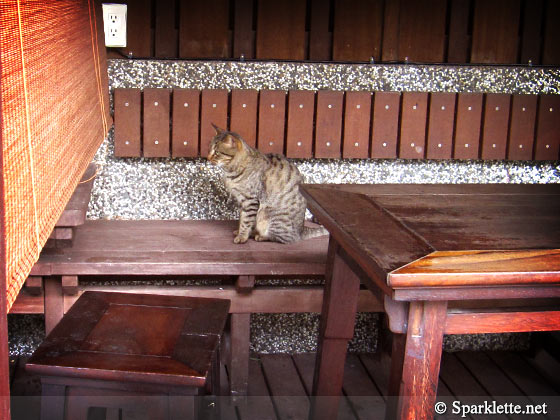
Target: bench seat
x=174, y=247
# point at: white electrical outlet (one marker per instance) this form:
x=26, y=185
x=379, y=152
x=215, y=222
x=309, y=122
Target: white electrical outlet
x=114, y=23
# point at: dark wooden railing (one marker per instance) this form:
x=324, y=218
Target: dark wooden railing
x=335, y=124
x=428, y=31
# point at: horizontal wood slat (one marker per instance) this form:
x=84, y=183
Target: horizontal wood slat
x=424, y=31
x=337, y=124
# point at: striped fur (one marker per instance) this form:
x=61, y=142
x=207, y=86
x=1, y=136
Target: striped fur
x=266, y=188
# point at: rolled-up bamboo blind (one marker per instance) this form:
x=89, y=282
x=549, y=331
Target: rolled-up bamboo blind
x=55, y=114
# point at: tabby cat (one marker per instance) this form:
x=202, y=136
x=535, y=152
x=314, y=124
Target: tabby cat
x=266, y=188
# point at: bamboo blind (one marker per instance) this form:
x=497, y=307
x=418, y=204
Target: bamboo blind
x=55, y=113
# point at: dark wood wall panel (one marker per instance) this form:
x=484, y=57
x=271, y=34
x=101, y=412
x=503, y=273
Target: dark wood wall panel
x=328, y=127
x=166, y=35
x=272, y=120
x=458, y=45
x=301, y=115
x=422, y=30
x=281, y=30
x=203, y=29
x=185, y=119
x=127, y=104
x=522, y=127
x=320, y=38
x=390, y=42
x=531, y=40
x=243, y=36
x=413, y=125
x=156, y=122
x=213, y=110
x=385, y=125
x=495, y=126
x=467, y=125
x=548, y=128
x=357, y=30
x=357, y=112
x=551, y=52
x=243, y=114
x=495, y=31
x=138, y=36
x=440, y=126
x=335, y=124
x=430, y=31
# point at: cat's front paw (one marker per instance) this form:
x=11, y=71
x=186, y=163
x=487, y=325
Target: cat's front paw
x=240, y=239
x=260, y=238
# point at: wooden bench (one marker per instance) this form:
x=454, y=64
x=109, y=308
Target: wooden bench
x=199, y=248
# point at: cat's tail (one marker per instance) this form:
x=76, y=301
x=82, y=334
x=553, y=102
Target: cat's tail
x=314, y=231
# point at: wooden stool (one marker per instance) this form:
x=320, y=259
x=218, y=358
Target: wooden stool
x=120, y=351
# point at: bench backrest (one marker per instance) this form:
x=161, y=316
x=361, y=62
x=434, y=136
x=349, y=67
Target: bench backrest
x=159, y=122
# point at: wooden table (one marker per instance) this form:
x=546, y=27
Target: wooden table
x=446, y=259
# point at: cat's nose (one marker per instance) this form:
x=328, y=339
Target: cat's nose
x=210, y=157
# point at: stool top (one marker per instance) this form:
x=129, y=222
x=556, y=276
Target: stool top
x=168, y=340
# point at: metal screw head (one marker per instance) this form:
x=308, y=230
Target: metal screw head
x=156, y=103
x=244, y=105
x=213, y=105
x=185, y=143
x=329, y=106
x=127, y=142
x=328, y=144
x=299, y=143
x=356, y=144
x=185, y=104
x=126, y=104
x=156, y=142
x=272, y=105
x=386, y=106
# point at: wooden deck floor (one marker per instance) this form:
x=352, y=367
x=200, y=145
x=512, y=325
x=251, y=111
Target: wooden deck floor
x=280, y=385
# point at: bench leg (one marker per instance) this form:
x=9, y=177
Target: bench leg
x=422, y=356
x=240, y=342
x=54, y=302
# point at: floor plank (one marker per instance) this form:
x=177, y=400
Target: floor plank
x=279, y=385
x=366, y=401
x=258, y=405
x=288, y=393
x=494, y=380
x=547, y=366
x=305, y=364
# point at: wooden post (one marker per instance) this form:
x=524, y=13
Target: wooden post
x=337, y=328
x=54, y=302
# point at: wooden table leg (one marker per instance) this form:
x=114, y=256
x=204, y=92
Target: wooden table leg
x=422, y=356
x=337, y=327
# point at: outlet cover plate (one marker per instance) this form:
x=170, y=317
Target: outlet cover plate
x=114, y=24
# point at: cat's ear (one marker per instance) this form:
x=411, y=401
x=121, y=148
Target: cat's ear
x=231, y=141
x=218, y=129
